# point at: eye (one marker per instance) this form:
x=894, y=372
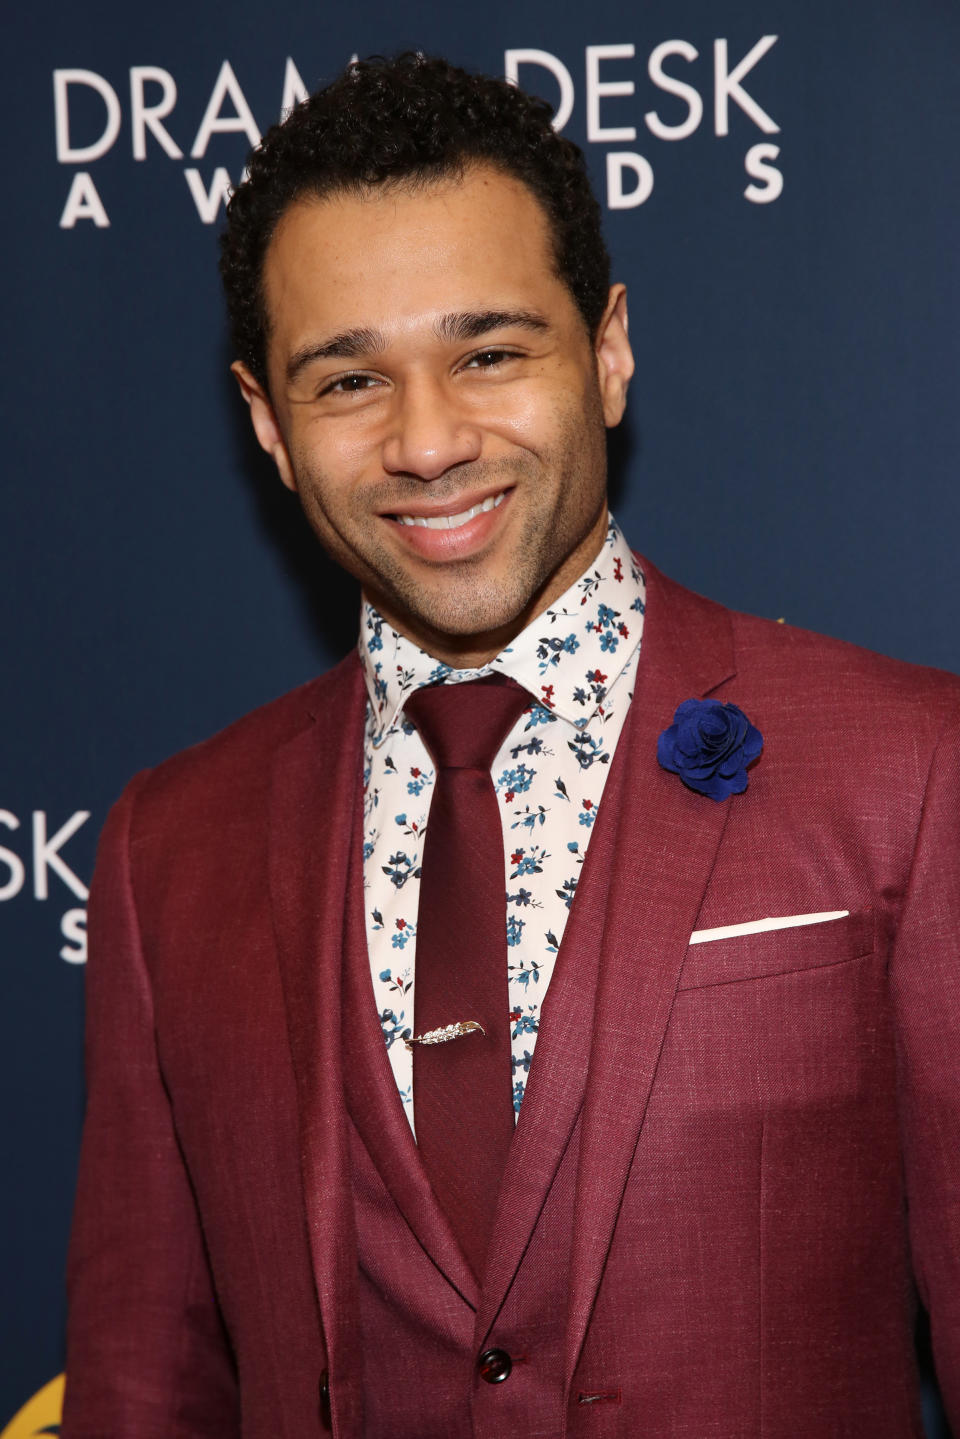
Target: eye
x=349, y=385
x=487, y=359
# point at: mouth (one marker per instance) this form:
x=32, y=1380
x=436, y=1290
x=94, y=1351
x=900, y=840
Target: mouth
x=453, y=522
x=456, y=536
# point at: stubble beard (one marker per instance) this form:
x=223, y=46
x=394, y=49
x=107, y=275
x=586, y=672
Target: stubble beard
x=466, y=601
x=469, y=608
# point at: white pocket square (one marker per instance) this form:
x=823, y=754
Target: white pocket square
x=760, y=926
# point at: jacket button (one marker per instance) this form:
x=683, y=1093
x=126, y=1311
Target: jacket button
x=494, y=1365
x=325, y=1416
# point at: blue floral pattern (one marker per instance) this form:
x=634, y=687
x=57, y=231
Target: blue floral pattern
x=579, y=660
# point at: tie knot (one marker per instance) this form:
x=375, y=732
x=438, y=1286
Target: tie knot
x=464, y=725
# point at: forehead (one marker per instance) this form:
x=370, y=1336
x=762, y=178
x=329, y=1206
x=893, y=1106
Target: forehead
x=394, y=256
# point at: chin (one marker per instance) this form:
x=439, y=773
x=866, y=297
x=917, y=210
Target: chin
x=468, y=613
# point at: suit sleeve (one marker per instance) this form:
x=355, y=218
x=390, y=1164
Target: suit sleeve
x=147, y=1356
x=925, y=974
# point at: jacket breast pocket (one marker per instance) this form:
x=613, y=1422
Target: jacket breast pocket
x=778, y=951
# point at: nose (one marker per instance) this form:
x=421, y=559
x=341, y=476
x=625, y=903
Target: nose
x=429, y=433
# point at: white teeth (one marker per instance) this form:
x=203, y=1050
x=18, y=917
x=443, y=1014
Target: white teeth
x=453, y=522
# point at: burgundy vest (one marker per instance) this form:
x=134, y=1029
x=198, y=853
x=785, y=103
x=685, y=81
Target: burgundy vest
x=423, y=1321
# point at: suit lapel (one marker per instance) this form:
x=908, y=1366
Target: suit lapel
x=339, y=1055
x=606, y=1010
x=664, y=849
x=315, y=783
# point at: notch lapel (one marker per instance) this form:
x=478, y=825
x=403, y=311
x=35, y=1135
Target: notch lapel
x=664, y=851
x=315, y=785
x=605, y=1013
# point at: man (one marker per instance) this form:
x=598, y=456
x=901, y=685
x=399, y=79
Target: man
x=722, y=999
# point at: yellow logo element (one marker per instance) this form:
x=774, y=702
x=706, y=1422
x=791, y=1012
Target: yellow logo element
x=40, y=1415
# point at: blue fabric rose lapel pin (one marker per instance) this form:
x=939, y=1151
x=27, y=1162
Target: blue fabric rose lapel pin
x=710, y=745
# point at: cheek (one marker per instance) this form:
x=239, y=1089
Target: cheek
x=328, y=469
x=526, y=426
x=537, y=418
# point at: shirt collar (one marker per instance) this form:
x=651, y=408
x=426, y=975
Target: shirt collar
x=568, y=657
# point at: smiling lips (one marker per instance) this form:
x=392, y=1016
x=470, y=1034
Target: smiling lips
x=453, y=522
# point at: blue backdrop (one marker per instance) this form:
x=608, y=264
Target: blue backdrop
x=781, y=192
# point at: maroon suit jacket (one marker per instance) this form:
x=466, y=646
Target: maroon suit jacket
x=736, y=1162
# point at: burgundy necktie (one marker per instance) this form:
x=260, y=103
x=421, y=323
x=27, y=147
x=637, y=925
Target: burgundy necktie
x=463, y=1088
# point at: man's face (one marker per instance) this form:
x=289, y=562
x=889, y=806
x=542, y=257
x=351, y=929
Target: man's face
x=435, y=400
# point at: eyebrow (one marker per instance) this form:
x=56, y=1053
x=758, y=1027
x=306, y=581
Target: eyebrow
x=462, y=325
x=348, y=345
x=471, y=324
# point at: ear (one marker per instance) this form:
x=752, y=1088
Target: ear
x=614, y=356
x=265, y=422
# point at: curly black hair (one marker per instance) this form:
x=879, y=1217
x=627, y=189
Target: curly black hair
x=408, y=119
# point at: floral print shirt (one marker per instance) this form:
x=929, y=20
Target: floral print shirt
x=578, y=659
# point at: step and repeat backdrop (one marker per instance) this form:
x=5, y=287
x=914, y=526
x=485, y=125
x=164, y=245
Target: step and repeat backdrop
x=781, y=195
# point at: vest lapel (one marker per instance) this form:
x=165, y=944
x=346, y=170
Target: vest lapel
x=664, y=851
x=375, y=1104
x=555, y=1087
x=314, y=785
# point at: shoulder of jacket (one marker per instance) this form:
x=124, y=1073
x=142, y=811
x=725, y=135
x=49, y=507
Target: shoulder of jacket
x=803, y=669
x=237, y=759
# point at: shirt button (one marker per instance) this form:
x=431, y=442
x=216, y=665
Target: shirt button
x=324, y=1386
x=494, y=1365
